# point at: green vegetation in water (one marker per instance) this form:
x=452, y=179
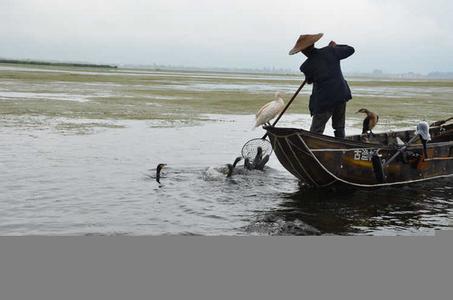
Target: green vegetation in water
x=82, y=128
x=185, y=97
x=47, y=63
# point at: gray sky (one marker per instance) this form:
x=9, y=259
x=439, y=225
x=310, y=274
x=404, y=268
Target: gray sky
x=395, y=36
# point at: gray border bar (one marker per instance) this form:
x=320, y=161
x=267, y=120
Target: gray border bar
x=177, y=267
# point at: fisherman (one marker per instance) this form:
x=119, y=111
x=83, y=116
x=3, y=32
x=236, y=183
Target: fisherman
x=330, y=90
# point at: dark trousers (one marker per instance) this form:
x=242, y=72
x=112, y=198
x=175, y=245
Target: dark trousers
x=318, y=123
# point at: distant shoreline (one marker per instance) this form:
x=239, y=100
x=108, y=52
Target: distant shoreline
x=376, y=74
x=57, y=64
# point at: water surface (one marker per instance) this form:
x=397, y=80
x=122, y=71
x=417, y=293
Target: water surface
x=79, y=148
x=100, y=180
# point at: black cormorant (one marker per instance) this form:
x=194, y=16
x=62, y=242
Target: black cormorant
x=232, y=166
x=158, y=169
x=370, y=121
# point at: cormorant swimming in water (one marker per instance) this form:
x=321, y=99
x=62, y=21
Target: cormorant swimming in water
x=247, y=164
x=158, y=169
x=260, y=165
x=232, y=166
x=258, y=162
x=258, y=156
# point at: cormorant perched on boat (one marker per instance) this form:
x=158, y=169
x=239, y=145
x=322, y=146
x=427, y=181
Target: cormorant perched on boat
x=232, y=166
x=158, y=170
x=370, y=121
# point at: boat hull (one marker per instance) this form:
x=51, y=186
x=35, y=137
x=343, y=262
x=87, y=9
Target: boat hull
x=322, y=161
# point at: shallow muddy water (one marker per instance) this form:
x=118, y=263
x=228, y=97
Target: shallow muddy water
x=88, y=180
x=78, y=152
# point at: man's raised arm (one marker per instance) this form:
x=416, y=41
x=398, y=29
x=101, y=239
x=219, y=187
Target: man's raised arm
x=342, y=51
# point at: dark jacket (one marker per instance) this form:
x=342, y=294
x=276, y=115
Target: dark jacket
x=322, y=68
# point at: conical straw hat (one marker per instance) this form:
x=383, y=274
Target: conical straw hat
x=304, y=41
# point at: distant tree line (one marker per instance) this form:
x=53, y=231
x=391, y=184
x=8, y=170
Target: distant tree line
x=46, y=63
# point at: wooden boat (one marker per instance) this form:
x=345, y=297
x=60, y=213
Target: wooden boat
x=324, y=161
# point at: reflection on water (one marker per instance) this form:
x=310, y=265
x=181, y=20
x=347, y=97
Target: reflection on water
x=417, y=209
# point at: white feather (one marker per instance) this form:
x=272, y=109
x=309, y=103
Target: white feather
x=269, y=110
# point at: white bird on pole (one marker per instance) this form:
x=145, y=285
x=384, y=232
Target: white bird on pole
x=269, y=111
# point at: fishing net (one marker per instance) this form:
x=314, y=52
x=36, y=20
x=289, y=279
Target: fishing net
x=250, y=148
